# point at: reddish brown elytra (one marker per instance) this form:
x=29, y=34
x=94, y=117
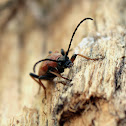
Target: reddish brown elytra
x=55, y=63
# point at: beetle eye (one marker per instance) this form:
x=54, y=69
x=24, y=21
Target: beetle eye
x=68, y=64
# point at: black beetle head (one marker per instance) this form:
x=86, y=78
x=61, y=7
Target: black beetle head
x=68, y=64
x=65, y=62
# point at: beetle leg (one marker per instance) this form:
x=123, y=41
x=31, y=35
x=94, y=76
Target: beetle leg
x=33, y=76
x=62, y=82
x=43, y=87
x=50, y=52
x=62, y=52
x=75, y=55
x=59, y=75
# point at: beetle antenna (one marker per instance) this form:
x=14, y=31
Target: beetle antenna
x=75, y=32
x=43, y=60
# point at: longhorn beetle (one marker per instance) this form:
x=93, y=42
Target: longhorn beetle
x=55, y=63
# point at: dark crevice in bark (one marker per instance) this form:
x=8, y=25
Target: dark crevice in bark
x=118, y=73
x=74, y=109
x=122, y=122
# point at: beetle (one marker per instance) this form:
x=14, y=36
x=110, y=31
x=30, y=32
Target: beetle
x=55, y=63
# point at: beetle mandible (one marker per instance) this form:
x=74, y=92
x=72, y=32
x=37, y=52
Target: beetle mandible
x=55, y=63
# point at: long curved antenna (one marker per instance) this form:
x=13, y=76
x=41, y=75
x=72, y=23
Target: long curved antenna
x=74, y=34
x=43, y=60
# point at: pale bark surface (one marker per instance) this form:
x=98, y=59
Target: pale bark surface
x=97, y=94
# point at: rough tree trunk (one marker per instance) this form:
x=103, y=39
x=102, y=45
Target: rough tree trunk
x=96, y=96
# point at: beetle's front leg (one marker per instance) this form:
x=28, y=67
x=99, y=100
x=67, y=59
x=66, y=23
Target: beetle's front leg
x=75, y=55
x=59, y=75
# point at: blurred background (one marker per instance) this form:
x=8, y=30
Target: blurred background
x=29, y=29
